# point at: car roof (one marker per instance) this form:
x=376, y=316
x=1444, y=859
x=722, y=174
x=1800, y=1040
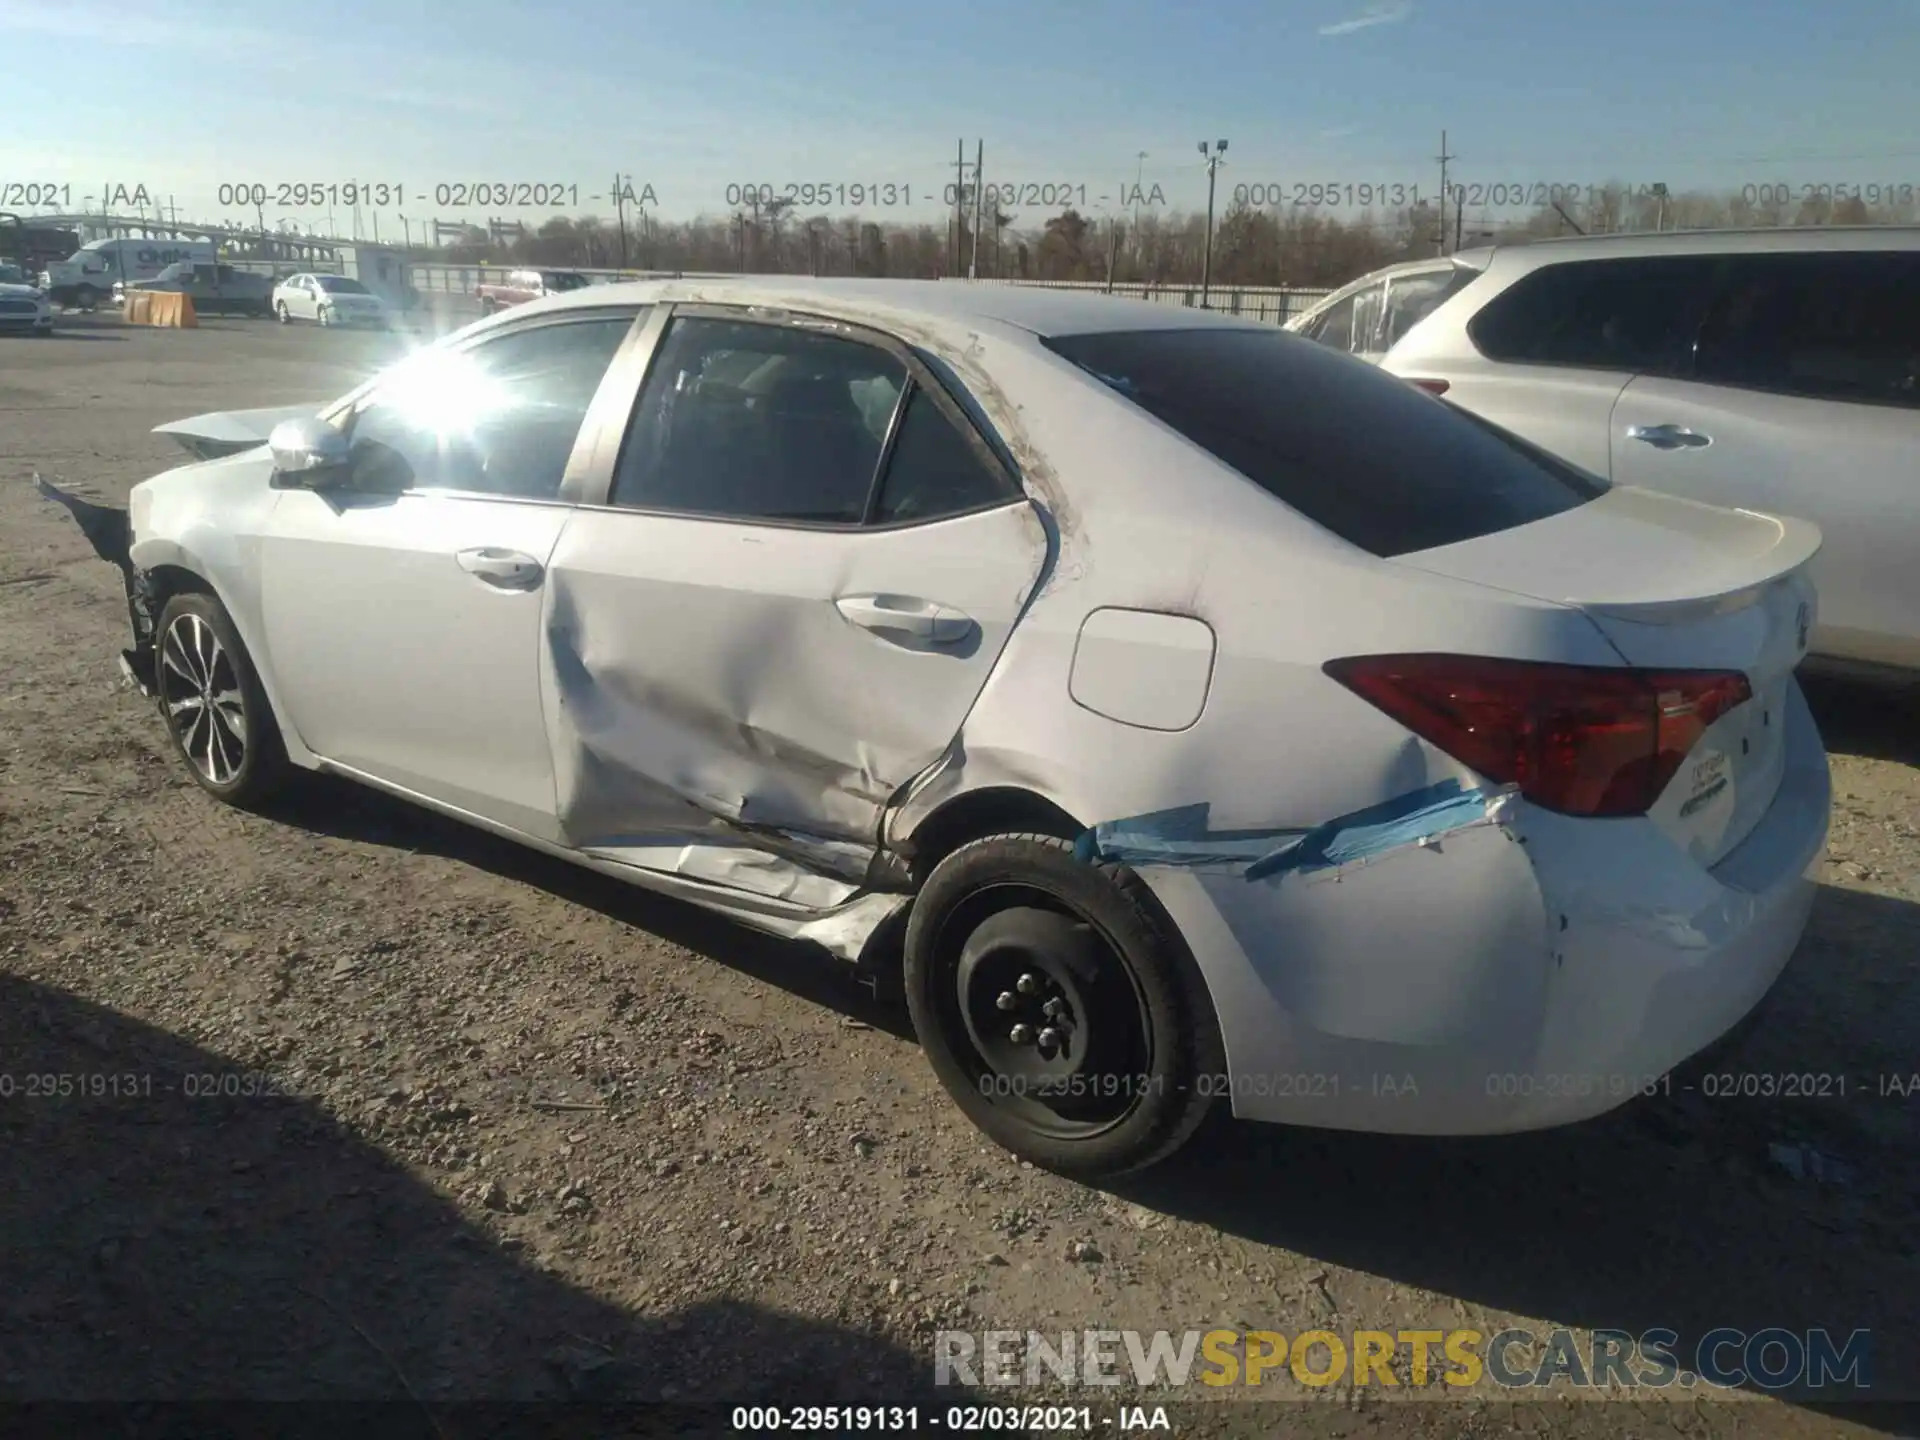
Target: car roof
x=943, y=304
x=1774, y=239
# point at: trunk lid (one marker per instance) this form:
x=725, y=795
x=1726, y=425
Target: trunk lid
x=1676, y=585
x=227, y=432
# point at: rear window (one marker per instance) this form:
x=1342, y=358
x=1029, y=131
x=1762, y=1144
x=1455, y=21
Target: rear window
x=1381, y=464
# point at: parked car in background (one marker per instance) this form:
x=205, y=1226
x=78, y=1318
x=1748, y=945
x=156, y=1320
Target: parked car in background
x=23, y=307
x=214, y=289
x=1775, y=370
x=11, y=274
x=1078, y=646
x=521, y=286
x=329, y=300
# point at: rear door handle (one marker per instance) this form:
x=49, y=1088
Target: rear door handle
x=905, y=615
x=1668, y=437
x=503, y=569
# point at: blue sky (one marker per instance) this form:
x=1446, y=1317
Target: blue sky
x=689, y=97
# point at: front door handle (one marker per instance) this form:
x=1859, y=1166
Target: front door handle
x=1668, y=437
x=905, y=615
x=504, y=569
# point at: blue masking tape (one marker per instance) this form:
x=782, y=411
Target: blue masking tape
x=1176, y=837
x=1180, y=836
x=1400, y=821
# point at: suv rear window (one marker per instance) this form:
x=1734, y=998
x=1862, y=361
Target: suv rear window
x=1378, y=462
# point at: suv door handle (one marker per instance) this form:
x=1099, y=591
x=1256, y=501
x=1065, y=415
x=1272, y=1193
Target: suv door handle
x=905, y=614
x=503, y=569
x=1668, y=437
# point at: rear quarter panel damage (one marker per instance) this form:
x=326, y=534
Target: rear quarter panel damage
x=1439, y=950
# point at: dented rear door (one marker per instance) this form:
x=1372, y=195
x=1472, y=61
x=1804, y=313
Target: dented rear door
x=806, y=567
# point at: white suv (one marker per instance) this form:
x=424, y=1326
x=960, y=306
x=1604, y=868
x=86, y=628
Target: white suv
x=1772, y=370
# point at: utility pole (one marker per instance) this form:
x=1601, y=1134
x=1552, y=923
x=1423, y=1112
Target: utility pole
x=959, y=199
x=1440, y=240
x=1139, y=170
x=1113, y=244
x=1206, y=259
x=620, y=209
x=979, y=189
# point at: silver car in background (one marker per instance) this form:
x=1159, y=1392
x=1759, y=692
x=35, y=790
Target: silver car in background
x=1772, y=370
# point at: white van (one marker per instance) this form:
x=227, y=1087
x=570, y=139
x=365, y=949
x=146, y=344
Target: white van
x=86, y=277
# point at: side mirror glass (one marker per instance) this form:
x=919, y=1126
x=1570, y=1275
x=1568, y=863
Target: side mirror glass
x=308, y=452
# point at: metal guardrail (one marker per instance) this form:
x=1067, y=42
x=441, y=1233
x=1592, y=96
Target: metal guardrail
x=1259, y=302
x=1277, y=303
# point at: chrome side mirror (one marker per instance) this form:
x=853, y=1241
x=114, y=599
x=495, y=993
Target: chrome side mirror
x=307, y=453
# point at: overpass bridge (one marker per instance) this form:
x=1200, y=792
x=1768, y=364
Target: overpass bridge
x=280, y=245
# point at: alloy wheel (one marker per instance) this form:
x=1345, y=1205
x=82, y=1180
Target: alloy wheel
x=200, y=692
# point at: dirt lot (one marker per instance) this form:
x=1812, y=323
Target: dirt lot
x=546, y=1136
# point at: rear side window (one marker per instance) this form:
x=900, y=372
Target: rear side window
x=1354, y=324
x=1833, y=327
x=1411, y=298
x=936, y=469
x=1363, y=453
x=1626, y=315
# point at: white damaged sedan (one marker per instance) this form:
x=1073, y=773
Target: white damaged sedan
x=1183, y=710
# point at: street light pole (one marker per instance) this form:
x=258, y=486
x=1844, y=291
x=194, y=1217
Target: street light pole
x=1206, y=259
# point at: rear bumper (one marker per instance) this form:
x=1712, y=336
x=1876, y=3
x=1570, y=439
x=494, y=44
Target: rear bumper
x=1520, y=972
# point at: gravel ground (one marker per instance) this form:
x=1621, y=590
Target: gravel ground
x=536, y=1135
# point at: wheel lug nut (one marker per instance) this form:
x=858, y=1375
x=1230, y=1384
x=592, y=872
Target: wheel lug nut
x=1007, y=1000
x=1020, y=1034
x=1054, y=1009
x=1027, y=984
x=1049, y=1038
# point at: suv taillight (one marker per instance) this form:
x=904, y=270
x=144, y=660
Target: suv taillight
x=1579, y=739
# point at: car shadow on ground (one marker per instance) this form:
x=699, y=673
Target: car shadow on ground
x=325, y=805
x=1669, y=1213
x=165, y=1237
x=1857, y=717
x=58, y=334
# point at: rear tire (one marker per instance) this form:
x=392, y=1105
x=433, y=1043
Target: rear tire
x=1013, y=923
x=213, y=704
x=86, y=297
x=286, y=315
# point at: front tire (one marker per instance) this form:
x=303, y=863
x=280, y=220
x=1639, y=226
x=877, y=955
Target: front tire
x=286, y=315
x=1114, y=1068
x=214, y=706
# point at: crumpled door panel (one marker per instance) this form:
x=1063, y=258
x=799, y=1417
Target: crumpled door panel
x=701, y=683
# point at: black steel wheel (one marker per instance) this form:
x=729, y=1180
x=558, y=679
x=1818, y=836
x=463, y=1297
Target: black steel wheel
x=213, y=704
x=1059, y=1006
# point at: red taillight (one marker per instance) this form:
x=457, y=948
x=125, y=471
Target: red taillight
x=1433, y=387
x=1580, y=739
